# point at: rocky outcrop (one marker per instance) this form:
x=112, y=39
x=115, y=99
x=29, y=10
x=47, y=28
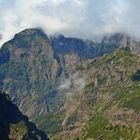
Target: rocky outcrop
x=85, y=49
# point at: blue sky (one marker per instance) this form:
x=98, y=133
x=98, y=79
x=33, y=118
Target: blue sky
x=80, y=18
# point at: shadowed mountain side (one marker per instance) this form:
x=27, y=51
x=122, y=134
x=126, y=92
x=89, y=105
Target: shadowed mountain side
x=14, y=125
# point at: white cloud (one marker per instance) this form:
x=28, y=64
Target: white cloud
x=80, y=18
x=75, y=82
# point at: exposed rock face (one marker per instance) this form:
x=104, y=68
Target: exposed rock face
x=85, y=49
x=28, y=66
x=30, y=73
x=14, y=125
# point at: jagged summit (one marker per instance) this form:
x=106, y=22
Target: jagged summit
x=23, y=38
x=32, y=32
x=62, y=45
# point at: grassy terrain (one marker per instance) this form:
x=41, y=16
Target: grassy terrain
x=122, y=90
x=99, y=128
x=18, y=131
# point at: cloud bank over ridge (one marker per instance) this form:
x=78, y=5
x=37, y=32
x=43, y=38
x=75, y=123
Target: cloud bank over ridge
x=79, y=18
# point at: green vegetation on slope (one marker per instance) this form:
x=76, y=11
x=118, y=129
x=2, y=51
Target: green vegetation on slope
x=99, y=128
x=117, y=106
x=18, y=131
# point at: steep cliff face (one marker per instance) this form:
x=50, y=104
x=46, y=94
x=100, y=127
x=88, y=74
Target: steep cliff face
x=30, y=74
x=14, y=125
x=28, y=66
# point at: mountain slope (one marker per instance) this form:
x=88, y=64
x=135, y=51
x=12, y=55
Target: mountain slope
x=44, y=77
x=14, y=125
x=29, y=72
x=32, y=67
x=27, y=63
x=108, y=106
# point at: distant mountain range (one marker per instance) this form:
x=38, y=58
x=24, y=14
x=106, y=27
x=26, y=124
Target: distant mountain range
x=74, y=88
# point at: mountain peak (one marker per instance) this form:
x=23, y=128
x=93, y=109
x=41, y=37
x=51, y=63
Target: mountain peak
x=129, y=43
x=32, y=31
x=125, y=41
x=25, y=38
